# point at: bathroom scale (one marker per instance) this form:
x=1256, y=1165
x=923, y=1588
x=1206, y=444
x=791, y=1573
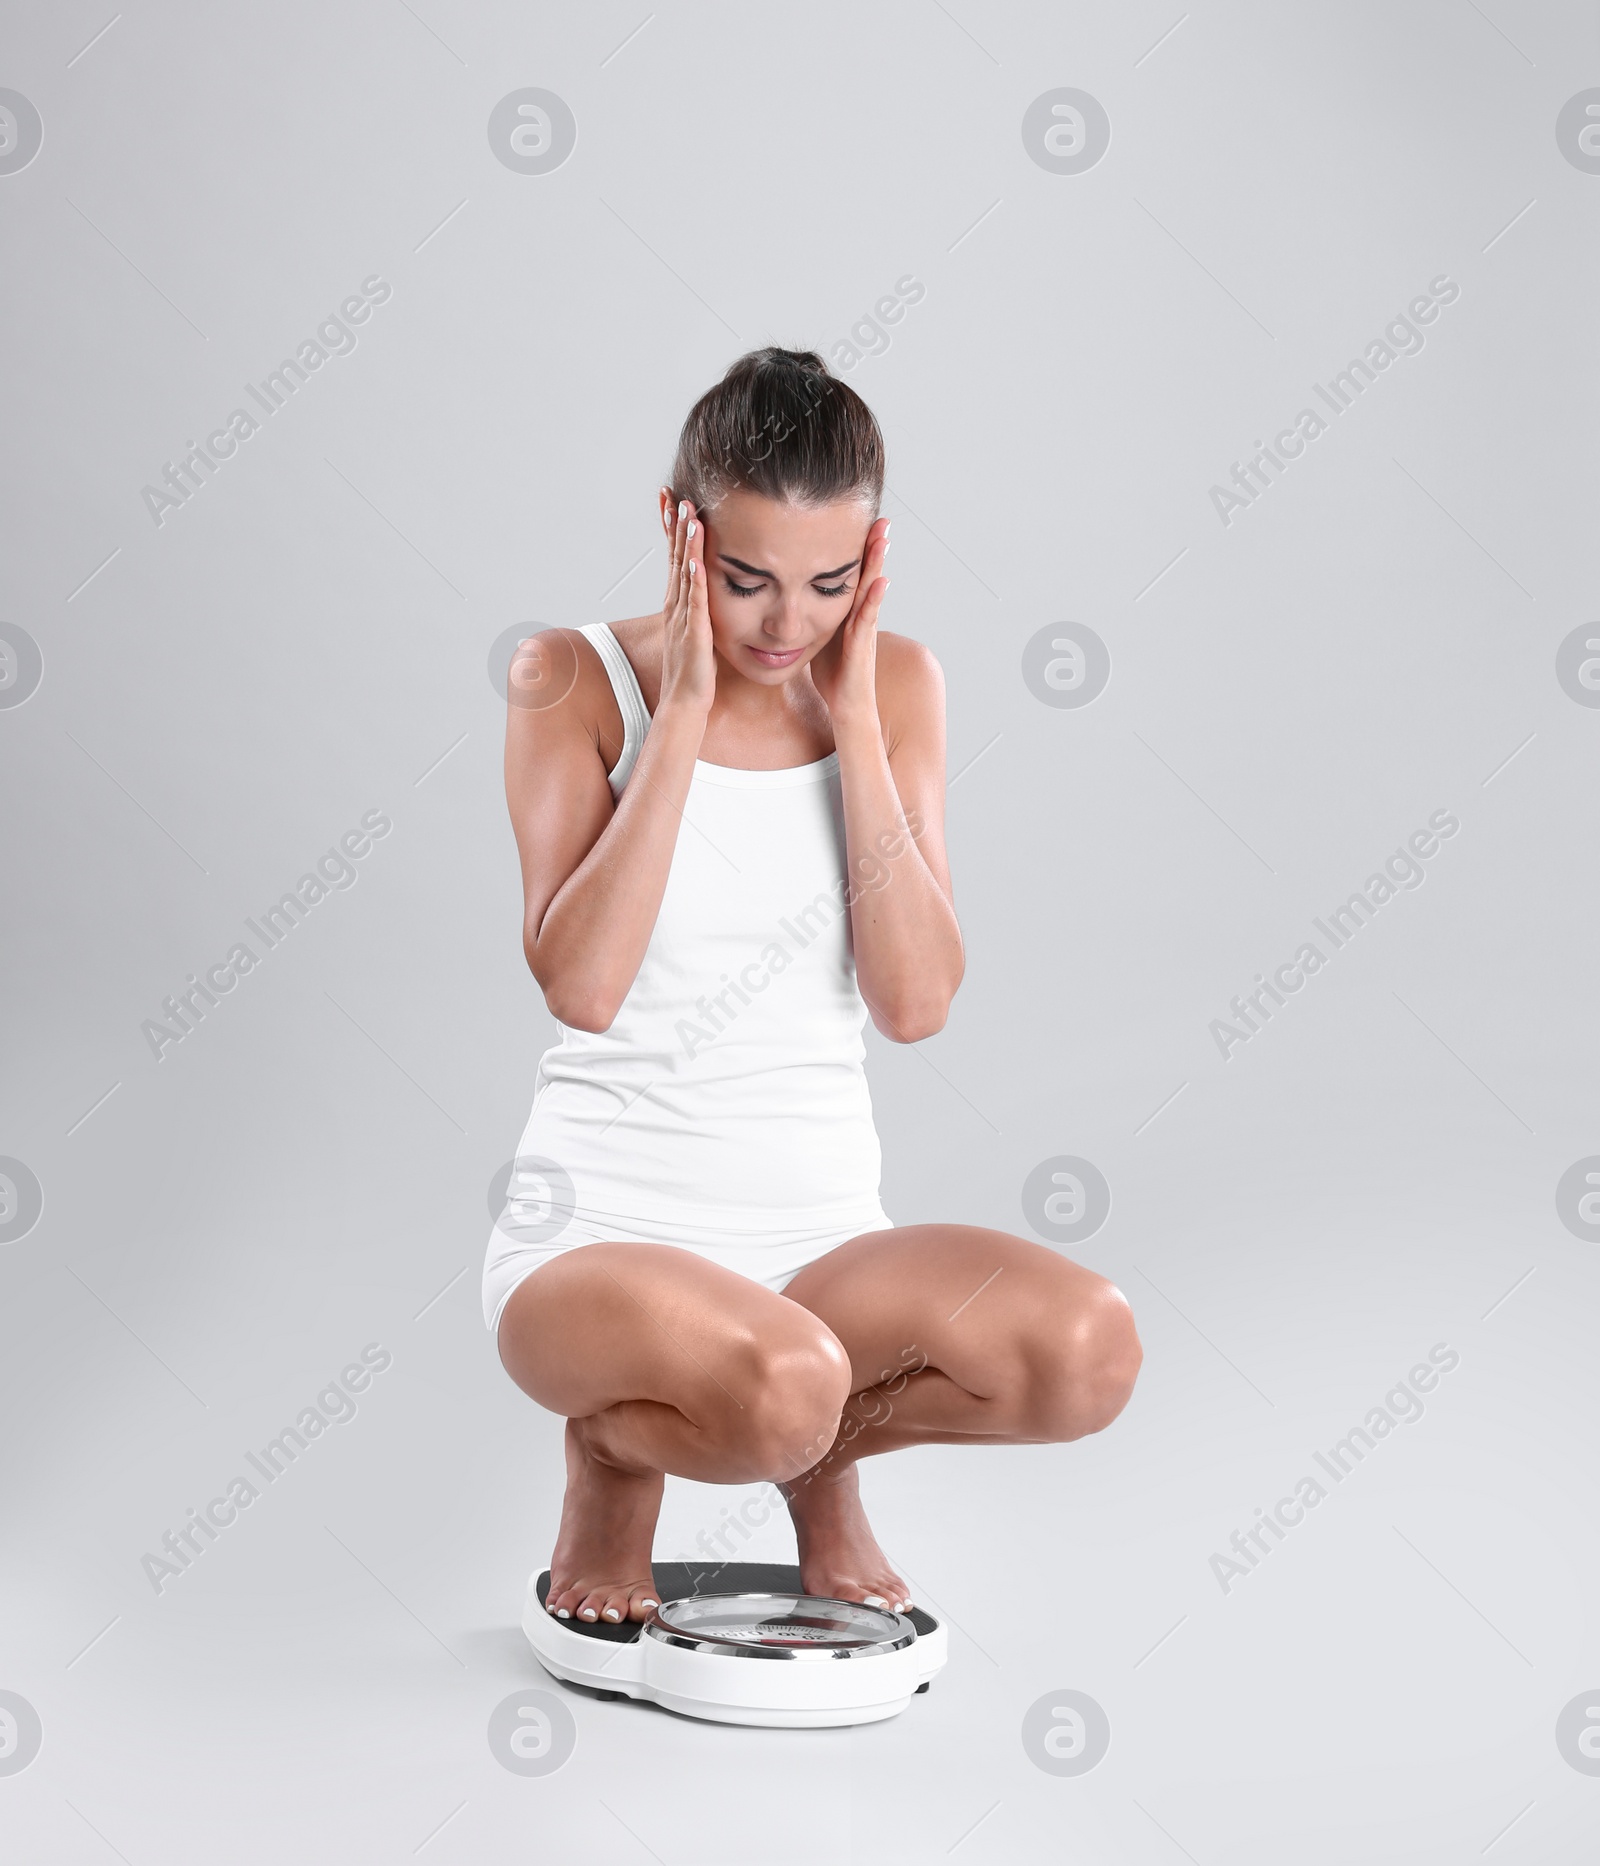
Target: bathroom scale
x=741, y=1642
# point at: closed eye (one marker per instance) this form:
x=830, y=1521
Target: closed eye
x=752, y=589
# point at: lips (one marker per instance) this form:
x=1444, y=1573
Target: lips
x=776, y=660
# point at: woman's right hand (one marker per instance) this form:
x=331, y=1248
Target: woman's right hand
x=688, y=661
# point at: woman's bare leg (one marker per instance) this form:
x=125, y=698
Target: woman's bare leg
x=927, y=1334
x=661, y=1361
x=956, y=1335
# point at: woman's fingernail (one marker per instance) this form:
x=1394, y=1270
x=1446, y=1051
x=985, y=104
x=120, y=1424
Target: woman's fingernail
x=683, y=508
x=692, y=566
x=691, y=527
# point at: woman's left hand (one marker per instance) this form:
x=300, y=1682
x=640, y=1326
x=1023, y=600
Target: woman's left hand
x=845, y=671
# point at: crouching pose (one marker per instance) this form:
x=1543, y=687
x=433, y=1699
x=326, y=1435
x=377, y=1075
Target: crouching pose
x=730, y=821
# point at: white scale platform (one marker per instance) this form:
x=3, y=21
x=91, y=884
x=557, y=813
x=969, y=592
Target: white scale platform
x=738, y=1642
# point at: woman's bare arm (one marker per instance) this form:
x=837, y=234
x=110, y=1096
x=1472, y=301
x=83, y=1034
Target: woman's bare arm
x=908, y=948
x=593, y=875
x=886, y=701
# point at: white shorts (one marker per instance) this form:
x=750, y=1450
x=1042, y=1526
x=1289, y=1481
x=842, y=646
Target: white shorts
x=768, y=1257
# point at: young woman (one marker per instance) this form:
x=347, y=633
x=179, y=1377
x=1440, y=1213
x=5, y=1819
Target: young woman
x=730, y=818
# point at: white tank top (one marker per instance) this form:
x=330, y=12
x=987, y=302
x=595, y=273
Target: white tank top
x=730, y=1089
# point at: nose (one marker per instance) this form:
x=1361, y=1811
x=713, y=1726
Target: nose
x=783, y=626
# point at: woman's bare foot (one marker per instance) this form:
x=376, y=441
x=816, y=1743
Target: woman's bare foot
x=839, y=1555
x=601, y=1565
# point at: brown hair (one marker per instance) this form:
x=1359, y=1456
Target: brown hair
x=780, y=424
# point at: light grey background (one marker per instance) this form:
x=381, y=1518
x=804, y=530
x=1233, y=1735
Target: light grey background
x=1292, y=695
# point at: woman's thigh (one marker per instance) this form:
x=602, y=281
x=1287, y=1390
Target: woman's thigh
x=1005, y=1318
x=603, y=1323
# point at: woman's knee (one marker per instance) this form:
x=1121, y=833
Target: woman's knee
x=786, y=1395
x=1081, y=1364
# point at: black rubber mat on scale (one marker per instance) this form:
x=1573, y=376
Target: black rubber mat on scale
x=678, y=1580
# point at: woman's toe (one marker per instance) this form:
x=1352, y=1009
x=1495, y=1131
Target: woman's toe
x=642, y=1603
x=558, y=1604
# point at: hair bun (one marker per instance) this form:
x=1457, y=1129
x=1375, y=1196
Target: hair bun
x=806, y=361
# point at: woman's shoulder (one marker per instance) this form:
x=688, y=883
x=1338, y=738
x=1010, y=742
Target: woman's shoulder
x=559, y=677
x=907, y=658
x=576, y=650
x=910, y=684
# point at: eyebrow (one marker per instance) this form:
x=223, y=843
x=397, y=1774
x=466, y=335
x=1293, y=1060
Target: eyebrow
x=751, y=570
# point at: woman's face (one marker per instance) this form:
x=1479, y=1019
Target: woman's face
x=780, y=579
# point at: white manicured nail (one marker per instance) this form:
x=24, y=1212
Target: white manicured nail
x=612, y=1614
x=562, y=1614
x=683, y=508
x=587, y=1613
x=649, y=1603
x=873, y=1600
x=691, y=528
